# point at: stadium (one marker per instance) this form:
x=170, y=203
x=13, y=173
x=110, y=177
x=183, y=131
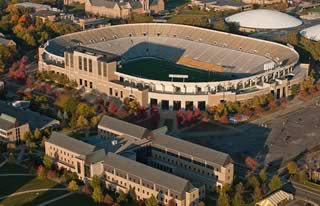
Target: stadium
x=173, y=66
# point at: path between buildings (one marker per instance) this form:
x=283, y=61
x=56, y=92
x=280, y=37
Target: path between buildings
x=56, y=199
x=3, y=163
x=32, y=191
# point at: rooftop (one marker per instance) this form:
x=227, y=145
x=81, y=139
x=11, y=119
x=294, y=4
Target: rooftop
x=190, y=149
x=71, y=144
x=34, y=119
x=124, y=127
x=147, y=173
x=7, y=122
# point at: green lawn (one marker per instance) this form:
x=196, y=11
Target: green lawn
x=17, y=184
x=317, y=9
x=159, y=70
x=75, y=199
x=12, y=168
x=31, y=199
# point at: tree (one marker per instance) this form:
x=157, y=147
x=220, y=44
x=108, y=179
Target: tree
x=223, y=199
x=37, y=134
x=122, y=198
x=73, y=186
x=87, y=189
x=253, y=182
x=152, y=201
x=97, y=194
x=257, y=195
x=292, y=168
x=96, y=181
x=238, y=200
x=263, y=175
x=108, y=199
x=47, y=162
x=251, y=163
x=155, y=116
x=112, y=108
x=275, y=183
x=179, y=117
x=41, y=172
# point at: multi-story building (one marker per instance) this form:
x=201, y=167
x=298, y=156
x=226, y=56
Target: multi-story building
x=10, y=128
x=124, y=174
x=201, y=165
x=74, y=155
x=122, y=9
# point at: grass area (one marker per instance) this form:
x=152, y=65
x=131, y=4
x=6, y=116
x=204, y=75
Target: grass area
x=23, y=183
x=31, y=199
x=75, y=199
x=159, y=70
x=13, y=169
x=172, y=4
x=317, y=9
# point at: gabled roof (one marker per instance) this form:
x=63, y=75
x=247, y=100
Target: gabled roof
x=147, y=173
x=124, y=127
x=71, y=144
x=185, y=148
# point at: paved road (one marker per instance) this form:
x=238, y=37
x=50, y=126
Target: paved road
x=56, y=199
x=304, y=192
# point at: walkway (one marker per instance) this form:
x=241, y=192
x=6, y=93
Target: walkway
x=32, y=191
x=13, y=175
x=56, y=199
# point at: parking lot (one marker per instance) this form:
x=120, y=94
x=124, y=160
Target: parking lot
x=277, y=141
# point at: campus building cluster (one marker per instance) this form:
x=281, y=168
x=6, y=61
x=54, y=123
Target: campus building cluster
x=149, y=162
x=249, y=67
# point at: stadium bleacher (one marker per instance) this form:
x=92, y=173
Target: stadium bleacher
x=236, y=54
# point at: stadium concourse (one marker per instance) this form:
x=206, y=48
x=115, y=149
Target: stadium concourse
x=135, y=61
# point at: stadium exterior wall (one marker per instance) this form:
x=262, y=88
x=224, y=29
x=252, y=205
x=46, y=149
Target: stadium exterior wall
x=165, y=93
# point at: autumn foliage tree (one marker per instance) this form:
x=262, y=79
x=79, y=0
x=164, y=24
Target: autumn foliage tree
x=18, y=69
x=251, y=163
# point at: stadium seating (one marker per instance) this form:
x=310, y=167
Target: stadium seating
x=192, y=46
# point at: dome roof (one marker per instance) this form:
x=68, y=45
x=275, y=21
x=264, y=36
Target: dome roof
x=264, y=19
x=312, y=33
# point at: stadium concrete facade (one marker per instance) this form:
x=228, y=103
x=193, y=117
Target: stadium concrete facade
x=250, y=67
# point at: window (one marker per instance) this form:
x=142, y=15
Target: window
x=85, y=83
x=90, y=85
x=90, y=65
x=71, y=60
x=80, y=82
x=85, y=68
x=110, y=93
x=80, y=63
x=104, y=69
x=67, y=59
x=99, y=68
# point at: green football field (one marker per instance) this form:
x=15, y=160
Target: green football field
x=159, y=70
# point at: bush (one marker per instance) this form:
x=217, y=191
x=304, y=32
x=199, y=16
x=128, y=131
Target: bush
x=108, y=199
x=73, y=186
x=87, y=190
x=51, y=174
x=41, y=172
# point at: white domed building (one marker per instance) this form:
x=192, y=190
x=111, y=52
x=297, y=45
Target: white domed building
x=263, y=19
x=312, y=33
